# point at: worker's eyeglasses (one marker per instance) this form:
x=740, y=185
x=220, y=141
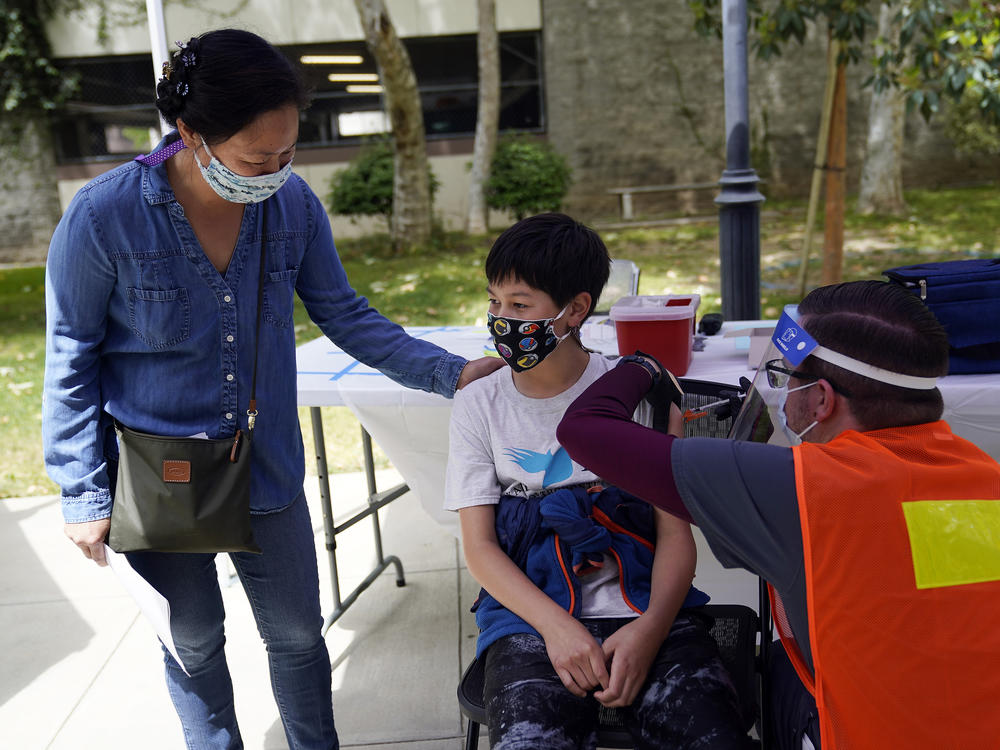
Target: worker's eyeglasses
x=778, y=376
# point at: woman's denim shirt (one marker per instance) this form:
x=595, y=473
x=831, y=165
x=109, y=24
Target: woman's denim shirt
x=142, y=328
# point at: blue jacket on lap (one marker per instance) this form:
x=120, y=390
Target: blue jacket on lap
x=553, y=538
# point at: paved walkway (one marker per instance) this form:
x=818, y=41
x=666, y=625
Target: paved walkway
x=82, y=670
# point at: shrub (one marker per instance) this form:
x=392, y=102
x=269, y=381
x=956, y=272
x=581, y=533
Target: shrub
x=364, y=187
x=969, y=129
x=527, y=177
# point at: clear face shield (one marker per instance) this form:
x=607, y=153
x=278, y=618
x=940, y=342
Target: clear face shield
x=762, y=418
x=758, y=420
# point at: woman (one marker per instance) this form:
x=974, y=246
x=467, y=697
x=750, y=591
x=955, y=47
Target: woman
x=152, y=296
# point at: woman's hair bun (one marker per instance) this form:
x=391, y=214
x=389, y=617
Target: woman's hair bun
x=220, y=81
x=175, y=85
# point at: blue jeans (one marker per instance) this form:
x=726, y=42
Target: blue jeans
x=791, y=711
x=282, y=585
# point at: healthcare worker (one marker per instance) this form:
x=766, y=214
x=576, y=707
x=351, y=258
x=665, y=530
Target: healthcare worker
x=878, y=530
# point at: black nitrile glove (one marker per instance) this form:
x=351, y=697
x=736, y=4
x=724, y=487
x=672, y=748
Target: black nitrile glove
x=665, y=391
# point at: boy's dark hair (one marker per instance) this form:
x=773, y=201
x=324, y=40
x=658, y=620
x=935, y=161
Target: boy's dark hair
x=221, y=81
x=884, y=325
x=553, y=253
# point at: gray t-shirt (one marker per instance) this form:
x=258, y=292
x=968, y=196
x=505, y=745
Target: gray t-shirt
x=502, y=442
x=742, y=496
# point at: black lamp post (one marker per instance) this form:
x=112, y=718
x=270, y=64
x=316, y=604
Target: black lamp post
x=739, y=200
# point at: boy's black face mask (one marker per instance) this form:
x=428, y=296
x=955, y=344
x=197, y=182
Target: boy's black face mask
x=523, y=343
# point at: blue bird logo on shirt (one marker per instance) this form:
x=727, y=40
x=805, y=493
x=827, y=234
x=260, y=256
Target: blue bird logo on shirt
x=556, y=467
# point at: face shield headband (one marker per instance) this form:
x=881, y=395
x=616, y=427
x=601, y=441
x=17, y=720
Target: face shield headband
x=761, y=417
x=793, y=343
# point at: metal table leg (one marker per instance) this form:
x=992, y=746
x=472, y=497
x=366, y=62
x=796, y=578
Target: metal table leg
x=376, y=500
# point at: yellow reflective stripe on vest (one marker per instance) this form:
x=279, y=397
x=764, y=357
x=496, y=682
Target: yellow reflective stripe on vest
x=954, y=541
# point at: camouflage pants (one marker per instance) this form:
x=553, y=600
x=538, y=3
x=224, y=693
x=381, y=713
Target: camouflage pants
x=688, y=700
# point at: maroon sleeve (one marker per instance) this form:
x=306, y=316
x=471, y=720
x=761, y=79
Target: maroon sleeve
x=598, y=432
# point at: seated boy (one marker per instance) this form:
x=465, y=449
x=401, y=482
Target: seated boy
x=585, y=587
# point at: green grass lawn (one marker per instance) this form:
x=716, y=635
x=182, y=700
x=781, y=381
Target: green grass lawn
x=444, y=284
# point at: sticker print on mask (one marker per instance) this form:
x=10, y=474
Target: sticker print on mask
x=527, y=361
x=515, y=344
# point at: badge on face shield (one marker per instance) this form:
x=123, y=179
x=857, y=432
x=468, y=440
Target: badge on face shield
x=792, y=340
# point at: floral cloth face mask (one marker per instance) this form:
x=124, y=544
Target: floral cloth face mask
x=524, y=343
x=238, y=188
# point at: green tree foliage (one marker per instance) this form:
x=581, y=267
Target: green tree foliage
x=364, y=187
x=945, y=48
x=29, y=82
x=527, y=177
x=775, y=22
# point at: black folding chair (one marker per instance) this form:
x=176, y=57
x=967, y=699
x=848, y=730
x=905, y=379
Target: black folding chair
x=735, y=631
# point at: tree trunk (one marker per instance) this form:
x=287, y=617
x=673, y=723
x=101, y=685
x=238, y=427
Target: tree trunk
x=29, y=191
x=411, y=194
x=487, y=117
x=836, y=164
x=882, y=174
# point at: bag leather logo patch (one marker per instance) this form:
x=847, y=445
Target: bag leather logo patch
x=176, y=471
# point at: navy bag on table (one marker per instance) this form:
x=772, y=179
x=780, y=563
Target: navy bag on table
x=964, y=296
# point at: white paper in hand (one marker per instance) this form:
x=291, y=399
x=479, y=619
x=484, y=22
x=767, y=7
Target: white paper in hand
x=153, y=605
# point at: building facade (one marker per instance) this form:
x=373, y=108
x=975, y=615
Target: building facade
x=626, y=90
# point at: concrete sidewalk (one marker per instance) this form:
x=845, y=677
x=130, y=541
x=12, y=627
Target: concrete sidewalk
x=81, y=669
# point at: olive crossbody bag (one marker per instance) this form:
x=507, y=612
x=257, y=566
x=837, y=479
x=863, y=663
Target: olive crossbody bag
x=187, y=494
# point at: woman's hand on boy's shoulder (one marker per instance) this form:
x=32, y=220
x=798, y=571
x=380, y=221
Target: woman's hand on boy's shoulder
x=477, y=368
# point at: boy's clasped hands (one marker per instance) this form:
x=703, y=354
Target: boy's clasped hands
x=613, y=671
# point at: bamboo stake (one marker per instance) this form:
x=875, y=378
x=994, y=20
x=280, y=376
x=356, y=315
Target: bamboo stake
x=836, y=184
x=819, y=161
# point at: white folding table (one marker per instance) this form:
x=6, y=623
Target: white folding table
x=411, y=426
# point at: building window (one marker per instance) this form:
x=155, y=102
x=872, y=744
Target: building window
x=113, y=115
x=347, y=102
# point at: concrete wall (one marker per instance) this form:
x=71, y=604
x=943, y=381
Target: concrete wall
x=635, y=97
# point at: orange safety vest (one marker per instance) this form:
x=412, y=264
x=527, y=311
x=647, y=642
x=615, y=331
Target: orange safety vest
x=901, y=538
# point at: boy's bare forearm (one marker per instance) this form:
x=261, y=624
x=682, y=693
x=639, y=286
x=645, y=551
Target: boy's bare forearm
x=673, y=571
